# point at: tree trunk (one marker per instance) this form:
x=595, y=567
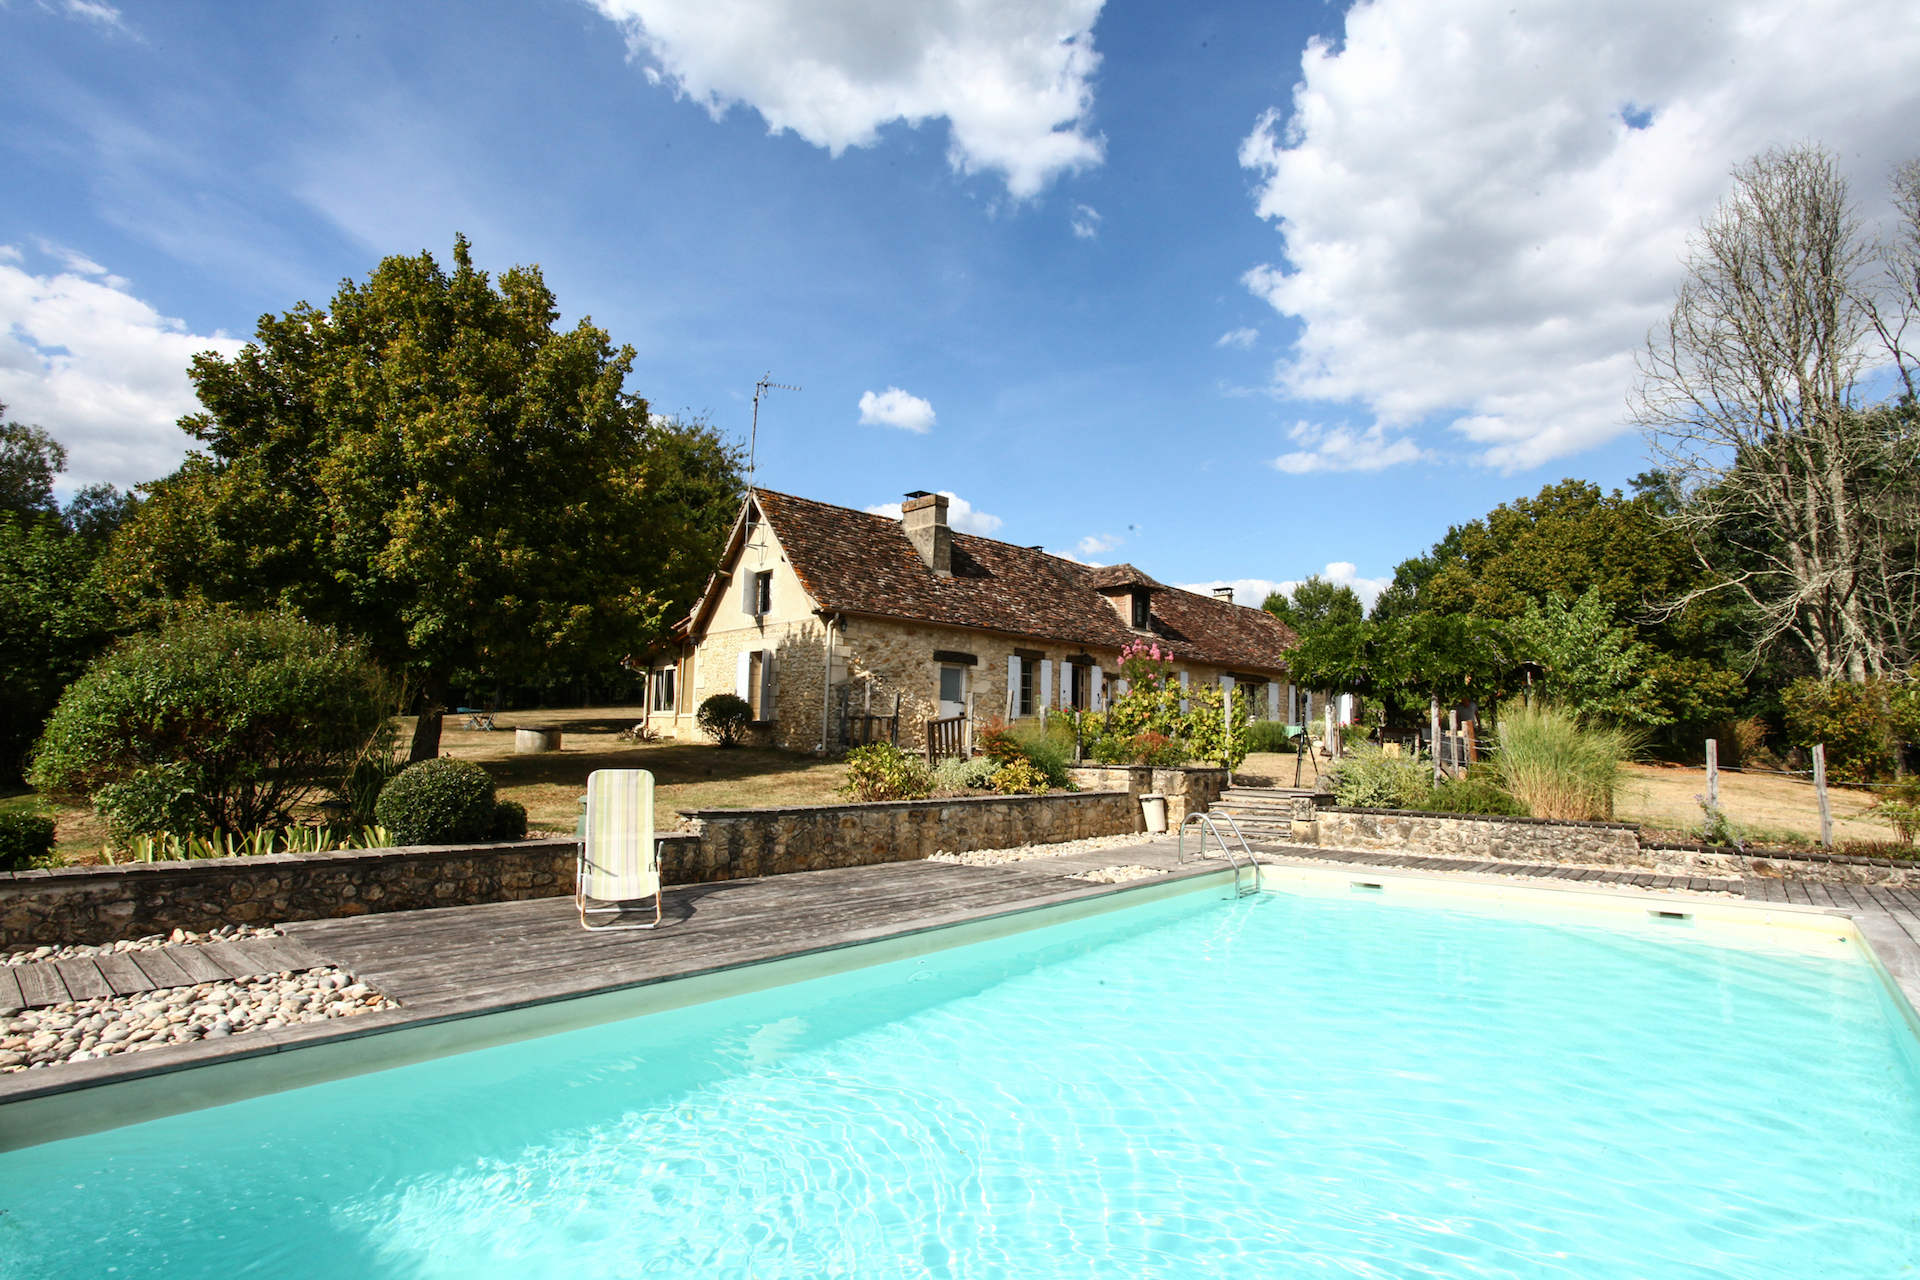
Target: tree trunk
x=426, y=729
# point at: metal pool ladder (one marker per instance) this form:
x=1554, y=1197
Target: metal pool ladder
x=1241, y=888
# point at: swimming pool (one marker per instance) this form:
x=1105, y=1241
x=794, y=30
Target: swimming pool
x=1292, y=1084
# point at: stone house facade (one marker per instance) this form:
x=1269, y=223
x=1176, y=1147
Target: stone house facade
x=820, y=616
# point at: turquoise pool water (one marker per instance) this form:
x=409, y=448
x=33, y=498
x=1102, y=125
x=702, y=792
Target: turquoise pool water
x=1279, y=1086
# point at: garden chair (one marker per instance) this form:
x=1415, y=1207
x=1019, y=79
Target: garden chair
x=619, y=858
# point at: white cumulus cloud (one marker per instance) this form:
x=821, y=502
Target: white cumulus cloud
x=1344, y=449
x=1014, y=81
x=1482, y=210
x=1240, y=339
x=1254, y=591
x=101, y=370
x=1095, y=544
x=960, y=514
x=1085, y=220
x=896, y=408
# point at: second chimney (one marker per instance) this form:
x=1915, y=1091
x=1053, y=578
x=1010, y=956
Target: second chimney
x=1223, y=593
x=925, y=517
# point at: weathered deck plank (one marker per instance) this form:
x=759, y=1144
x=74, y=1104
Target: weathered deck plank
x=40, y=984
x=122, y=974
x=161, y=968
x=10, y=998
x=83, y=978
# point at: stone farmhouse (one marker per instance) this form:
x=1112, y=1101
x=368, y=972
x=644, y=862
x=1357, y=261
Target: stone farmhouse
x=823, y=616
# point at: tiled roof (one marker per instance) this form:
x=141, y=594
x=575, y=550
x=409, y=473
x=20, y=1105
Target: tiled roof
x=855, y=562
x=1106, y=577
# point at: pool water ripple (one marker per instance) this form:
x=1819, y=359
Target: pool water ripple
x=1281, y=1086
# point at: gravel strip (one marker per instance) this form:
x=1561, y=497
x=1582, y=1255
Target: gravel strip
x=1000, y=857
x=152, y=942
x=86, y=1029
x=1117, y=875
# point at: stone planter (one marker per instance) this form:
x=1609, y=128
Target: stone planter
x=535, y=740
x=1153, y=809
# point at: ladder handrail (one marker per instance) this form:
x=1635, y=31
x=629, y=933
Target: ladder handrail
x=1207, y=825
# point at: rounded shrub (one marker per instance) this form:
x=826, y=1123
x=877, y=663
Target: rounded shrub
x=882, y=771
x=438, y=801
x=220, y=721
x=724, y=717
x=26, y=839
x=509, y=820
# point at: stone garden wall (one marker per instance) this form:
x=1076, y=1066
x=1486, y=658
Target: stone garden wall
x=734, y=843
x=1604, y=845
x=104, y=904
x=1187, y=789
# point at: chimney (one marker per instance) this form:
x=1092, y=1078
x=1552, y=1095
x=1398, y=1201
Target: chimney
x=925, y=517
x=1223, y=593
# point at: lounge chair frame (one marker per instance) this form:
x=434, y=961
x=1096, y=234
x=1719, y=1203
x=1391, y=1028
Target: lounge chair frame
x=582, y=866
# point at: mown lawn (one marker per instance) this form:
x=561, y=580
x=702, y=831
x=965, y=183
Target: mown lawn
x=687, y=776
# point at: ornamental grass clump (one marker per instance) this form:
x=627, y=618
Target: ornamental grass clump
x=1558, y=767
x=1368, y=778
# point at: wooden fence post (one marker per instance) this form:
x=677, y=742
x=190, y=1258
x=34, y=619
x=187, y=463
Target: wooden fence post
x=1713, y=773
x=1433, y=740
x=1820, y=789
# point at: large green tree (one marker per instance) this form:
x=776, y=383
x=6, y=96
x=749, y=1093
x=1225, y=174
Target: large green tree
x=431, y=463
x=1315, y=603
x=55, y=615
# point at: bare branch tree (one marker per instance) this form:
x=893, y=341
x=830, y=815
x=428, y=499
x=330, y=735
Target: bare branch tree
x=1798, y=498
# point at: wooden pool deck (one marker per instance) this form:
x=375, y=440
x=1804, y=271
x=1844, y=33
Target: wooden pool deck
x=452, y=964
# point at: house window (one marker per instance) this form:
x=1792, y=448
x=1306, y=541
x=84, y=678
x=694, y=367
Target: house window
x=953, y=688
x=1080, y=686
x=663, y=688
x=755, y=683
x=1027, y=697
x=1142, y=610
x=763, y=593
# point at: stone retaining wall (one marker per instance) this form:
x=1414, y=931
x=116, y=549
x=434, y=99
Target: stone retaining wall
x=1188, y=790
x=734, y=843
x=1605, y=845
x=105, y=904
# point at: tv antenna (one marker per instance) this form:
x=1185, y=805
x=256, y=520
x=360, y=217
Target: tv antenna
x=760, y=389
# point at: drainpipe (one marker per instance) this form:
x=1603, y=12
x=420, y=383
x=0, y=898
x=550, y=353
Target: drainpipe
x=826, y=681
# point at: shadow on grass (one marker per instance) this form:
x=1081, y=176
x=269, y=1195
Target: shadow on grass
x=671, y=764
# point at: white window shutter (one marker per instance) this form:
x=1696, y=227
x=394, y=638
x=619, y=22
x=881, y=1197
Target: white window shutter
x=769, y=687
x=1120, y=686
x=741, y=676
x=1046, y=682
x=1226, y=686
x=1183, y=692
x=1273, y=700
x=1066, y=684
x=1013, y=686
x=1098, y=687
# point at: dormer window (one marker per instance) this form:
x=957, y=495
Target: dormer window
x=1142, y=609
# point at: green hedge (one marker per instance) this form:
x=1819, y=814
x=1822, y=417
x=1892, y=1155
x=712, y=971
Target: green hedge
x=26, y=839
x=439, y=801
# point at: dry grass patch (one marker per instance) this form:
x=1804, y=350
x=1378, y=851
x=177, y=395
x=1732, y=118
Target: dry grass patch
x=686, y=775
x=1763, y=809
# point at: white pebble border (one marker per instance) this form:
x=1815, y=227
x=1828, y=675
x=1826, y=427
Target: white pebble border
x=1000, y=857
x=1117, y=875
x=152, y=942
x=86, y=1029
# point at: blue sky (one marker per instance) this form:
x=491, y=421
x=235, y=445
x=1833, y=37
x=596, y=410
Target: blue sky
x=1234, y=292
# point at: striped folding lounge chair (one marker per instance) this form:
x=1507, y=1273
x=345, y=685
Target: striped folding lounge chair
x=619, y=859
